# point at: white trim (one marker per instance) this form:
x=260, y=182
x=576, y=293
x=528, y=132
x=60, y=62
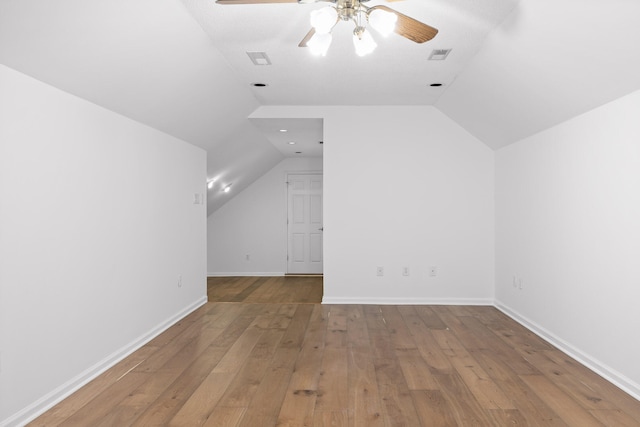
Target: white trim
x=294, y=172
x=45, y=403
x=627, y=385
x=287, y=174
x=247, y=274
x=406, y=301
x=40, y=406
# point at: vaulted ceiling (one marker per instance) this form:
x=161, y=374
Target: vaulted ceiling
x=516, y=67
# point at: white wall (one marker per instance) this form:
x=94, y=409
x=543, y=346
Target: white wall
x=406, y=186
x=254, y=223
x=568, y=228
x=97, y=223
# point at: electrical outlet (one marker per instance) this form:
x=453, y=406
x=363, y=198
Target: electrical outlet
x=433, y=271
x=405, y=271
x=380, y=271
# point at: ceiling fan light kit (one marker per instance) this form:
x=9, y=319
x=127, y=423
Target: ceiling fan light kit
x=319, y=43
x=323, y=20
x=383, y=22
x=381, y=18
x=363, y=41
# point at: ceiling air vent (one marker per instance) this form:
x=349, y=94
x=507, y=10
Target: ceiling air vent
x=439, y=54
x=259, y=58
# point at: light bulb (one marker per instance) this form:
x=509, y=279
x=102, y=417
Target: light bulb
x=384, y=22
x=323, y=20
x=363, y=42
x=319, y=43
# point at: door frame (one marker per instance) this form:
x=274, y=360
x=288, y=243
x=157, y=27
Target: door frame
x=286, y=215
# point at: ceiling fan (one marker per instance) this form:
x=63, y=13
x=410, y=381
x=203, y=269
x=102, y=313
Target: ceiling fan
x=382, y=18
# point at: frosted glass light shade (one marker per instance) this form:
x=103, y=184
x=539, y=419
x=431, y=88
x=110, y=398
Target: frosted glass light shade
x=319, y=43
x=324, y=19
x=364, y=43
x=383, y=22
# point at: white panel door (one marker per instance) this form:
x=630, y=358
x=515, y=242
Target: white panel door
x=304, y=223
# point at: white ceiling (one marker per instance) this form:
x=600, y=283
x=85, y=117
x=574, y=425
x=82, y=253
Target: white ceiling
x=292, y=137
x=398, y=72
x=517, y=67
x=549, y=61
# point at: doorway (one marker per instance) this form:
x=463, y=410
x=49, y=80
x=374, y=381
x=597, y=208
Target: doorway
x=304, y=223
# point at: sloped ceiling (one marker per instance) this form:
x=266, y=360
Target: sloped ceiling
x=549, y=61
x=517, y=66
x=147, y=60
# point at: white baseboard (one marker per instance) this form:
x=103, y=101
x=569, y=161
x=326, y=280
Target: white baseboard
x=35, y=409
x=247, y=274
x=46, y=402
x=630, y=387
x=406, y=301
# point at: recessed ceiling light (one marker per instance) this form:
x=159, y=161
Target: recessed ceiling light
x=283, y=130
x=227, y=188
x=292, y=143
x=259, y=84
x=298, y=152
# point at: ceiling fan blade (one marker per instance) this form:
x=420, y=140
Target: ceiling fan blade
x=410, y=28
x=254, y=1
x=306, y=38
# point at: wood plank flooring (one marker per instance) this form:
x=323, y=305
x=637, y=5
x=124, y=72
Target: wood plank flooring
x=253, y=362
x=287, y=289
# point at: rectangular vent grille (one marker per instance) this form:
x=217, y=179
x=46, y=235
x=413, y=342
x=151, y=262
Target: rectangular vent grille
x=439, y=54
x=259, y=58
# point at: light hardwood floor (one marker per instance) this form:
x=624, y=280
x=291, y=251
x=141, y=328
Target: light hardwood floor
x=288, y=289
x=257, y=363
